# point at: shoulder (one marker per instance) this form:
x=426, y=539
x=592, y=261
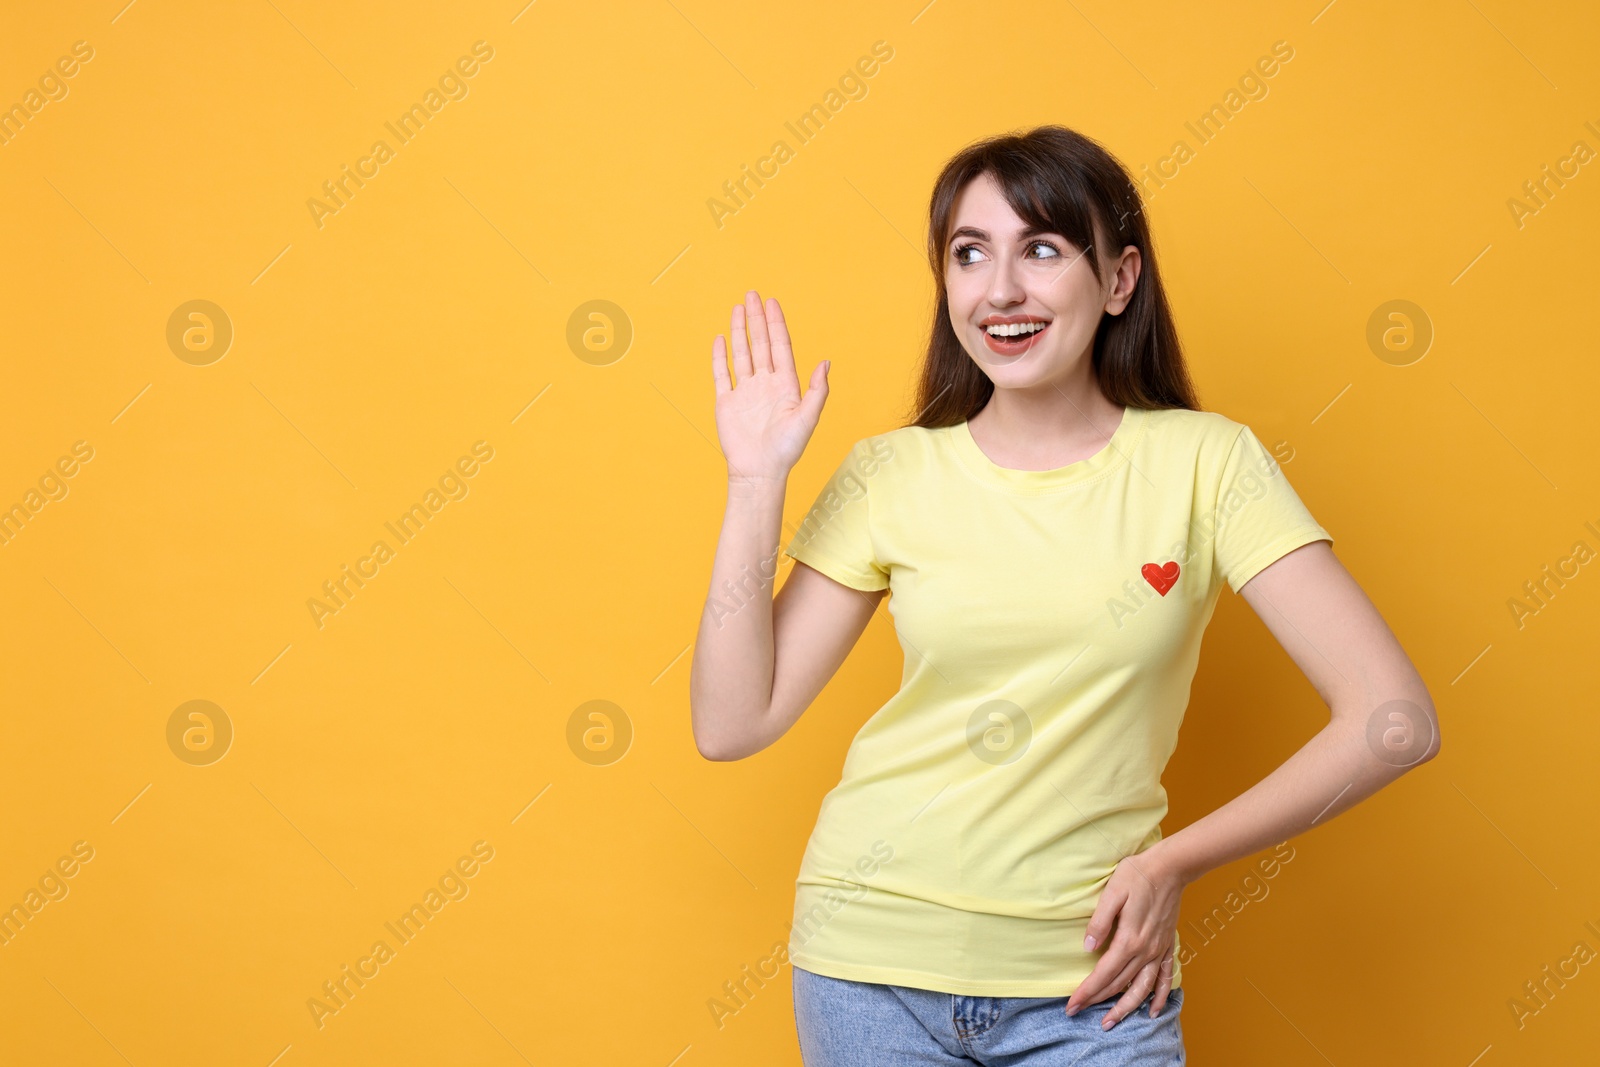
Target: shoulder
x=902, y=450
x=1209, y=443
x=1183, y=424
x=890, y=464
x=1203, y=438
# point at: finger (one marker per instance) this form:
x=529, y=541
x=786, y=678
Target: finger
x=719, y=365
x=1133, y=997
x=782, y=351
x=1100, y=984
x=1088, y=991
x=816, y=394
x=1118, y=967
x=1135, y=968
x=1094, y=989
x=1129, y=973
x=741, y=347
x=1163, y=986
x=1098, y=930
x=759, y=343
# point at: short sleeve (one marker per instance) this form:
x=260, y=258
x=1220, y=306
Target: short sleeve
x=835, y=534
x=1259, y=518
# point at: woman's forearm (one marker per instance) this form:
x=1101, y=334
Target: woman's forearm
x=730, y=678
x=1335, y=770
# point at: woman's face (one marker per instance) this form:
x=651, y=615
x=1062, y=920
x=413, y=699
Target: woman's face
x=996, y=273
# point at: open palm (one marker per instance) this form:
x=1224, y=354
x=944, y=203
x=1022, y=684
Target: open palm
x=763, y=423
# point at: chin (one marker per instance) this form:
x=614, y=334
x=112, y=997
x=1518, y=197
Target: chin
x=1029, y=365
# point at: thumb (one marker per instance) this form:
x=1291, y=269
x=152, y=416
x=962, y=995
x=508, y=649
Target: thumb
x=817, y=393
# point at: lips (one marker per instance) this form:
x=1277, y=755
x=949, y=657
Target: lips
x=1013, y=346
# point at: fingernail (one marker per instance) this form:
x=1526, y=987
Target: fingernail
x=1088, y=942
x=1108, y=1024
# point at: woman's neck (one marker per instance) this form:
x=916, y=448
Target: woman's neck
x=1046, y=430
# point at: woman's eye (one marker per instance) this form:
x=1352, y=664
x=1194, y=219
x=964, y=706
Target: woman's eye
x=1050, y=252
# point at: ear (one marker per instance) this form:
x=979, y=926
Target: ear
x=1124, y=279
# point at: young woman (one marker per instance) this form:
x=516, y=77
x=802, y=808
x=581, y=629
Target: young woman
x=988, y=882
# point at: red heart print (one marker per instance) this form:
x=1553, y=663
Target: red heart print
x=1161, y=578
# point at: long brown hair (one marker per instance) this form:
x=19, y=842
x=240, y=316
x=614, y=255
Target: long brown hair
x=1063, y=182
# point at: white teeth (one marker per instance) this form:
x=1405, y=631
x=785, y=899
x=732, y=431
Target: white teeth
x=1013, y=329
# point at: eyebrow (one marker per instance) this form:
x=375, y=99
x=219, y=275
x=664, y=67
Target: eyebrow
x=1024, y=234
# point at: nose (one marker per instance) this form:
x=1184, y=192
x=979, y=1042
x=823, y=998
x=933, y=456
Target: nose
x=1005, y=286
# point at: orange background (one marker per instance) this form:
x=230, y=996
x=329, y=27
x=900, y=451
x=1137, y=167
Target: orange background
x=433, y=710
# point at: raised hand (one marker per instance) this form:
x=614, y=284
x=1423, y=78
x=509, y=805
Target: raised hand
x=762, y=421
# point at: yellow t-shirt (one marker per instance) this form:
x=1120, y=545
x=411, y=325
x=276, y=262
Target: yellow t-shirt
x=1051, y=624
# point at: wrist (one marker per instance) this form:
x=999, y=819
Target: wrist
x=1166, y=855
x=745, y=486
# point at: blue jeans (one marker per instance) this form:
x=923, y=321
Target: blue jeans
x=864, y=1024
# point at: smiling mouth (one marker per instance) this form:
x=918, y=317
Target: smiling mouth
x=1010, y=344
